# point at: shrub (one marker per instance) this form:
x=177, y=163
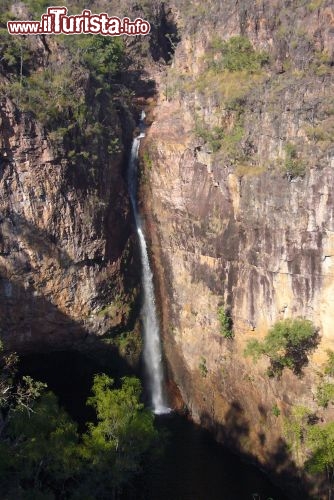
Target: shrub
x=286, y=345
x=147, y=160
x=202, y=367
x=295, y=429
x=329, y=367
x=239, y=54
x=59, y=95
x=42, y=455
x=225, y=323
x=14, y=53
x=305, y=436
x=275, y=411
x=219, y=138
x=232, y=140
x=315, y=5
x=212, y=136
x=323, y=132
x=37, y=7
x=320, y=440
x=325, y=394
x=293, y=165
x=103, y=56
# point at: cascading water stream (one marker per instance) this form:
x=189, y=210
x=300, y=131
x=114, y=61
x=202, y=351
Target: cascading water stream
x=152, y=344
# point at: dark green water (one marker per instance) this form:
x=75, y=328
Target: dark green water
x=195, y=467
x=192, y=467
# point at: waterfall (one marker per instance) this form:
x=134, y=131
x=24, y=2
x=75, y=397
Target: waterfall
x=152, y=345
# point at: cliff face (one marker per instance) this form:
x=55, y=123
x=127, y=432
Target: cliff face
x=62, y=244
x=236, y=219
x=68, y=266
x=65, y=224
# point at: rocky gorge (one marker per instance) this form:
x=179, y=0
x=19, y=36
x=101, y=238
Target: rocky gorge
x=236, y=189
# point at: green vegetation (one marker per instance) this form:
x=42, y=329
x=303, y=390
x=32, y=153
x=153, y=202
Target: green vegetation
x=325, y=389
x=316, y=4
x=53, y=93
x=320, y=440
x=295, y=429
x=238, y=54
x=225, y=323
x=147, y=160
x=293, y=165
x=220, y=138
x=38, y=454
x=325, y=394
x=75, y=115
x=232, y=140
x=42, y=455
x=110, y=310
x=275, y=411
x=231, y=70
x=322, y=133
x=286, y=345
x=121, y=306
x=102, y=55
x=15, y=396
x=248, y=169
x=14, y=52
x=37, y=7
x=123, y=435
x=129, y=344
x=213, y=137
x=329, y=367
x=311, y=442
x=202, y=367
x=322, y=63
x=49, y=94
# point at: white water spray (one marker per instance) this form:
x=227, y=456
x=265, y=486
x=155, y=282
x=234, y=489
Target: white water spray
x=152, y=345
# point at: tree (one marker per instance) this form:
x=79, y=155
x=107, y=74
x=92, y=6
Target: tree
x=15, y=395
x=329, y=367
x=325, y=394
x=287, y=344
x=43, y=456
x=238, y=54
x=320, y=439
x=124, y=433
x=225, y=323
x=295, y=430
x=102, y=55
x=44, y=447
x=308, y=438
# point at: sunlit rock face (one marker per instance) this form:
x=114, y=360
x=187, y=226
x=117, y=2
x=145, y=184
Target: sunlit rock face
x=244, y=234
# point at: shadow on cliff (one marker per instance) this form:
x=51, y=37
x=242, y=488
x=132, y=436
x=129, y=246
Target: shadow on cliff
x=7, y=131
x=56, y=349
x=139, y=81
x=235, y=433
x=44, y=244
x=52, y=346
x=27, y=315
x=37, y=239
x=31, y=322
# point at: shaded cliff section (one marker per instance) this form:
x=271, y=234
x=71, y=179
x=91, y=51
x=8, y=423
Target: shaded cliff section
x=237, y=187
x=64, y=238
x=69, y=269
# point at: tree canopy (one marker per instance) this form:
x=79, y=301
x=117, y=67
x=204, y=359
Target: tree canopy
x=42, y=454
